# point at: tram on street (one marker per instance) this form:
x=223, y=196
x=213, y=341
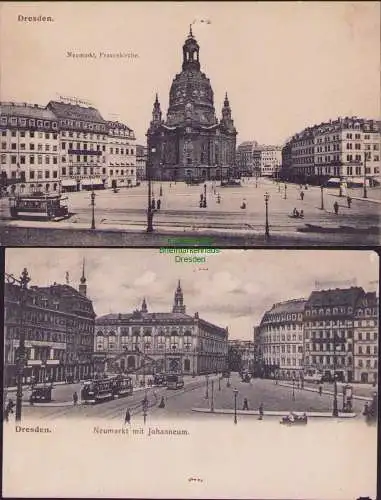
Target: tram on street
x=47, y=207
x=122, y=386
x=313, y=375
x=174, y=382
x=97, y=391
x=41, y=393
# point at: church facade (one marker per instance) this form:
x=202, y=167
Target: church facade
x=145, y=342
x=191, y=144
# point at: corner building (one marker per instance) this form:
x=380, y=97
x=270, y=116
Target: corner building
x=191, y=143
x=170, y=342
x=58, y=323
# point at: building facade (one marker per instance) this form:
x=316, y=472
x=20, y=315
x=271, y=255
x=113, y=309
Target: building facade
x=83, y=142
x=191, y=143
x=121, y=156
x=173, y=342
x=245, y=158
x=346, y=150
x=365, y=336
x=58, y=325
x=141, y=162
x=329, y=331
x=280, y=336
x=267, y=161
x=29, y=153
x=63, y=147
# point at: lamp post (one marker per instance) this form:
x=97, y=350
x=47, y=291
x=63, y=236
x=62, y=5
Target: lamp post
x=235, y=405
x=285, y=191
x=205, y=205
x=145, y=406
x=219, y=383
x=267, y=229
x=322, y=197
x=256, y=179
x=92, y=209
x=212, y=400
x=149, y=201
x=293, y=388
x=335, y=411
x=207, y=387
x=228, y=382
x=365, y=188
x=20, y=351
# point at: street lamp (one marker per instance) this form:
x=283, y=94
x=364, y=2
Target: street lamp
x=212, y=400
x=207, y=387
x=92, y=209
x=335, y=411
x=145, y=406
x=267, y=231
x=228, y=382
x=235, y=405
x=365, y=188
x=285, y=191
x=219, y=383
x=149, y=201
x=20, y=351
x=204, y=204
x=322, y=197
x=293, y=388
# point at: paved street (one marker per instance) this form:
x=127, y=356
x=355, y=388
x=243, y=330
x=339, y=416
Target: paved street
x=179, y=403
x=126, y=211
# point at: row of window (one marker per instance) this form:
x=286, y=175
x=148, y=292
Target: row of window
x=283, y=348
x=283, y=361
x=278, y=338
x=23, y=122
x=31, y=147
x=22, y=160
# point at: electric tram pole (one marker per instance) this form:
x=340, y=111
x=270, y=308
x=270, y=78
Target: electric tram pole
x=21, y=354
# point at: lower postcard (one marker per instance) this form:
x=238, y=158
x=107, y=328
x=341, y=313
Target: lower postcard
x=190, y=374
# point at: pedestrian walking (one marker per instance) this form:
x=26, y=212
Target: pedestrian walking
x=243, y=206
x=218, y=198
x=162, y=402
x=336, y=207
x=349, y=201
x=153, y=204
x=320, y=390
x=261, y=411
x=75, y=399
x=158, y=204
x=201, y=197
x=245, y=404
x=127, y=418
x=302, y=195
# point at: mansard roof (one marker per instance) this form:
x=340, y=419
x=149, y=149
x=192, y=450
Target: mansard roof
x=26, y=110
x=75, y=112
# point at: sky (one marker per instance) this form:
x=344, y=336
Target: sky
x=233, y=288
x=285, y=65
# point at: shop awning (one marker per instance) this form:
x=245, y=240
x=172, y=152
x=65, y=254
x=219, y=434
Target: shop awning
x=68, y=182
x=91, y=182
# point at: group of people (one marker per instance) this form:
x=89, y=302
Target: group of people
x=297, y=214
x=8, y=409
x=127, y=417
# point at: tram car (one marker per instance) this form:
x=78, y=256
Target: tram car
x=97, y=391
x=122, y=386
x=47, y=207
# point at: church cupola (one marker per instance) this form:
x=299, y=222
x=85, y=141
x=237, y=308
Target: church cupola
x=178, y=304
x=83, y=286
x=144, y=308
x=191, y=53
x=156, y=113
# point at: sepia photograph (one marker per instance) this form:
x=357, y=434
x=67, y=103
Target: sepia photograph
x=262, y=357
x=131, y=124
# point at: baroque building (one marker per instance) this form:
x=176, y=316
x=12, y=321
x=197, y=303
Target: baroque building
x=57, y=322
x=153, y=342
x=191, y=143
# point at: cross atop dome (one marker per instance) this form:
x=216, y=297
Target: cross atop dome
x=190, y=32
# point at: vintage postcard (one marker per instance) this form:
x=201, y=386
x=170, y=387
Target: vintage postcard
x=248, y=124
x=144, y=373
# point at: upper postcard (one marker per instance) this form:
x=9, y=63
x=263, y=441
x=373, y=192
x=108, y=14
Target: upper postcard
x=190, y=124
